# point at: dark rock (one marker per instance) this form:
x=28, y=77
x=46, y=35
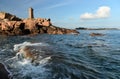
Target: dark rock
x=26, y=31
x=4, y=73
x=17, y=31
x=96, y=34
x=22, y=26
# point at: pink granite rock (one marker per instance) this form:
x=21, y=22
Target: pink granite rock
x=31, y=26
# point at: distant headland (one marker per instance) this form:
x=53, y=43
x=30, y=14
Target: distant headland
x=13, y=25
x=84, y=28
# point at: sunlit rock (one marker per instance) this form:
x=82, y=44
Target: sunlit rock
x=12, y=25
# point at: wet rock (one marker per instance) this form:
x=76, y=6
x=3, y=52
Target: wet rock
x=4, y=73
x=96, y=34
x=27, y=53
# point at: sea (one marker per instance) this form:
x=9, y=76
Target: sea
x=68, y=56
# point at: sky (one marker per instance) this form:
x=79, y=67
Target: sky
x=69, y=13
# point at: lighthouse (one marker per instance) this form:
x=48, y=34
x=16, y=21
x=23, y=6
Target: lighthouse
x=31, y=14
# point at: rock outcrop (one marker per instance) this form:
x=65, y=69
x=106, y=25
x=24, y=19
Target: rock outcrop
x=8, y=16
x=4, y=73
x=96, y=34
x=18, y=26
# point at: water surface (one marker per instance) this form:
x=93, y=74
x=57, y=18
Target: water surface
x=65, y=56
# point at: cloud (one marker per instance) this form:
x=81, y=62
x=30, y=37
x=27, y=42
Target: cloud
x=102, y=12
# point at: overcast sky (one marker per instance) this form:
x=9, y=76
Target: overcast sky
x=68, y=13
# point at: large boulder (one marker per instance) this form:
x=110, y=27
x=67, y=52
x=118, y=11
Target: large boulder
x=46, y=23
x=43, y=22
x=27, y=53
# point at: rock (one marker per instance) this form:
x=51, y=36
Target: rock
x=11, y=23
x=41, y=31
x=59, y=31
x=96, y=34
x=4, y=26
x=26, y=31
x=19, y=25
x=4, y=73
x=69, y=31
x=46, y=23
x=9, y=16
x=29, y=26
x=18, y=32
x=50, y=30
x=28, y=53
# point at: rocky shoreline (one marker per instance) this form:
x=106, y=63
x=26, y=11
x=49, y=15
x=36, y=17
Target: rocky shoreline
x=10, y=25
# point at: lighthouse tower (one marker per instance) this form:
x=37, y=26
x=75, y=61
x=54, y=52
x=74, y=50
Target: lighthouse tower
x=31, y=14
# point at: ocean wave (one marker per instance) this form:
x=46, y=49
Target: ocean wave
x=24, y=44
x=28, y=62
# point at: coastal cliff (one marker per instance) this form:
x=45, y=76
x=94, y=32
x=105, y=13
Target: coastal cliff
x=12, y=25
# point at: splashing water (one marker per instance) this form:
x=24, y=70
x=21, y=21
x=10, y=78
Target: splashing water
x=24, y=67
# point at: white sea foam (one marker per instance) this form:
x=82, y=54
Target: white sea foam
x=32, y=71
x=23, y=66
x=3, y=50
x=24, y=62
x=26, y=69
x=24, y=44
x=27, y=61
x=29, y=50
x=45, y=60
x=10, y=59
